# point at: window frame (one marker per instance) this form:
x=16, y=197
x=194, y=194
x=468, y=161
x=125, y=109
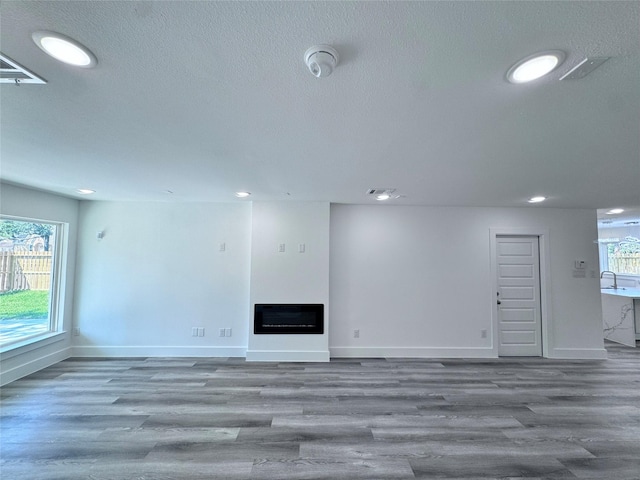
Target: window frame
x=55, y=329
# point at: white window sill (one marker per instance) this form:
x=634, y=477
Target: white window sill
x=32, y=343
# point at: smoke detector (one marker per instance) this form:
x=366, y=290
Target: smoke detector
x=321, y=60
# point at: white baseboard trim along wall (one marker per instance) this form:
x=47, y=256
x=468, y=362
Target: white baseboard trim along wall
x=455, y=352
x=411, y=352
x=158, y=351
x=287, y=356
x=578, y=353
x=33, y=366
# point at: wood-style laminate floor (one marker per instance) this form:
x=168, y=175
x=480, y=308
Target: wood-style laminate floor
x=195, y=418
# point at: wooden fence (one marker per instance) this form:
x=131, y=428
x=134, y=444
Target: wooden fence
x=625, y=262
x=25, y=271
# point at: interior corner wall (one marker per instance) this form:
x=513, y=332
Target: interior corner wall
x=417, y=281
x=294, y=275
x=28, y=203
x=161, y=270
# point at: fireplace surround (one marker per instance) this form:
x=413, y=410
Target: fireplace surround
x=288, y=319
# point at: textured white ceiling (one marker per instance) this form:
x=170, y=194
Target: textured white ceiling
x=206, y=98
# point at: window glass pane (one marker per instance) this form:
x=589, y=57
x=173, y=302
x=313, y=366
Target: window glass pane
x=624, y=257
x=27, y=253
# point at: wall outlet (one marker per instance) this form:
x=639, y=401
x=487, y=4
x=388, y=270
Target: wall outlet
x=356, y=333
x=76, y=332
x=301, y=248
x=483, y=333
x=222, y=332
x=227, y=332
x=281, y=248
x=194, y=331
x=201, y=331
x=223, y=247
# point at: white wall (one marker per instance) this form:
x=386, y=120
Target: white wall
x=22, y=202
x=417, y=281
x=290, y=276
x=157, y=273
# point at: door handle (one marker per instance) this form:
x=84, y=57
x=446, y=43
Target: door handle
x=499, y=302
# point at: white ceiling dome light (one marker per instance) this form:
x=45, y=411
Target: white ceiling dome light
x=321, y=60
x=64, y=49
x=535, y=66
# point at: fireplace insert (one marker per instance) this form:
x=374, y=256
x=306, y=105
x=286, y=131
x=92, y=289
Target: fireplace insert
x=305, y=318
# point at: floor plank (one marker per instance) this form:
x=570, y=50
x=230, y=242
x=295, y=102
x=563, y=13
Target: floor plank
x=225, y=418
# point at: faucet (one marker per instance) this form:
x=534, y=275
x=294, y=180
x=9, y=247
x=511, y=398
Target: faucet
x=615, y=279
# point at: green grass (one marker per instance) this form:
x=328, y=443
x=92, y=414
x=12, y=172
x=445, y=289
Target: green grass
x=24, y=304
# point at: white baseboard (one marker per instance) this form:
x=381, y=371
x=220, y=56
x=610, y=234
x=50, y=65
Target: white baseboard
x=578, y=353
x=8, y=376
x=287, y=356
x=412, y=352
x=157, y=351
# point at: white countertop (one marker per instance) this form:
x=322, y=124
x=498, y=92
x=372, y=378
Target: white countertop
x=622, y=292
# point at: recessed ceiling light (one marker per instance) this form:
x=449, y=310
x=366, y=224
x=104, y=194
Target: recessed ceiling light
x=383, y=196
x=615, y=211
x=85, y=191
x=535, y=66
x=243, y=194
x=65, y=49
x=537, y=199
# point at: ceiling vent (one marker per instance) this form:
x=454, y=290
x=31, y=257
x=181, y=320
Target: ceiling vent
x=12, y=72
x=584, y=68
x=380, y=191
x=382, y=194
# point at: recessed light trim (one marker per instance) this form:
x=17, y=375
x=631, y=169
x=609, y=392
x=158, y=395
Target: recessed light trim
x=85, y=191
x=64, y=49
x=535, y=66
x=537, y=199
x=242, y=194
x=615, y=211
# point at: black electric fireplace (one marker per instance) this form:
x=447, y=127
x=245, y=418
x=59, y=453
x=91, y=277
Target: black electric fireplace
x=306, y=318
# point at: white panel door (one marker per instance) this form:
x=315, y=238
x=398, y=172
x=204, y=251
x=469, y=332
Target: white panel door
x=518, y=296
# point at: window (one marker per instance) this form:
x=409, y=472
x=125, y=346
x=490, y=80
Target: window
x=28, y=286
x=620, y=255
